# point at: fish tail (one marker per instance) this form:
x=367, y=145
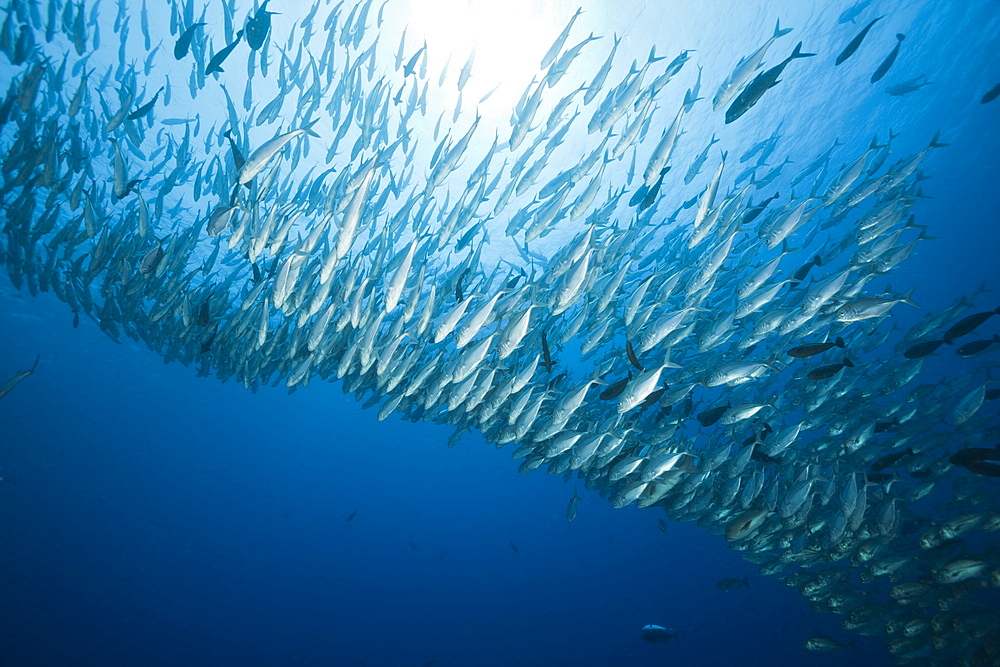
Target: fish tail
x=307, y=128
x=900, y=36
x=797, y=53
x=839, y=342
x=778, y=32
x=35, y=365
x=935, y=143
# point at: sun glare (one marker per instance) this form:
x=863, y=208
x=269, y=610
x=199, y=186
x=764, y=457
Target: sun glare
x=509, y=39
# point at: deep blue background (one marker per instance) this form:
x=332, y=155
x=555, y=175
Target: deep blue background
x=152, y=517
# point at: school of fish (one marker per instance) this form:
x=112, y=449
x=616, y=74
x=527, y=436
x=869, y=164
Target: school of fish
x=728, y=361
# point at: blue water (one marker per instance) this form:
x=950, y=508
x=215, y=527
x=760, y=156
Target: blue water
x=152, y=517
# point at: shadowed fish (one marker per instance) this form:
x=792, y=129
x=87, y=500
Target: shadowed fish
x=889, y=59
x=853, y=45
x=812, y=349
x=760, y=85
x=13, y=380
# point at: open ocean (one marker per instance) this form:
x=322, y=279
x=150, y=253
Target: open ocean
x=162, y=514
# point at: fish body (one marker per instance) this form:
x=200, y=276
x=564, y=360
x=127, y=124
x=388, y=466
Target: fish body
x=853, y=45
x=266, y=152
x=889, y=59
x=760, y=85
x=744, y=70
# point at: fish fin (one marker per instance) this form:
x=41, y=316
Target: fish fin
x=900, y=36
x=778, y=32
x=35, y=365
x=307, y=128
x=797, y=53
x=935, y=143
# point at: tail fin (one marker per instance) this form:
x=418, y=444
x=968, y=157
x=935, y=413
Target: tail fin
x=839, y=342
x=778, y=32
x=35, y=365
x=797, y=53
x=935, y=143
x=307, y=128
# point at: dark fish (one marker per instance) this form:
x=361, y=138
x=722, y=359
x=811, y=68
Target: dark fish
x=631, y=356
x=459, y=296
x=652, y=398
x=514, y=547
x=879, y=477
x=238, y=159
x=922, y=349
x=882, y=427
x=708, y=417
x=732, y=583
x=12, y=381
x=546, y=355
x=812, y=349
x=258, y=27
x=889, y=59
x=992, y=394
x=215, y=64
x=801, y=272
x=754, y=212
x=977, y=459
x=890, y=460
x=352, y=515
x=76, y=319
x=760, y=85
x=662, y=524
x=413, y=546
x=129, y=188
x=968, y=324
x=614, y=391
x=991, y=94
x=761, y=457
x=145, y=108
x=204, y=314
x=853, y=45
x=977, y=346
x=824, y=372
x=183, y=42
x=657, y=634
x=207, y=345
x=654, y=191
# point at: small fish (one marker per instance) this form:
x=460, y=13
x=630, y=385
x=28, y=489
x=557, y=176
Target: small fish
x=145, y=108
x=614, y=391
x=712, y=415
x=514, y=547
x=991, y=94
x=812, y=349
x=657, y=634
x=889, y=59
x=823, y=644
x=732, y=584
x=968, y=325
x=976, y=459
x=258, y=27
x=183, y=42
x=663, y=525
x=824, y=372
x=546, y=355
x=571, y=510
x=13, y=380
x=215, y=63
x=977, y=346
x=920, y=350
x=413, y=546
x=760, y=85
x=352, y=515
x=853, y=45
x=630, y=351
x=890, y=460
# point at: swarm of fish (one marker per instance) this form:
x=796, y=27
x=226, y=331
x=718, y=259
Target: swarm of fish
x=731, y=362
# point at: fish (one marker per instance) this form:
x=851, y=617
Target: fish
x=990, y=94
x=744, y=70
x=968, y=324
x=514, y=547
x=853, y=45
x=258, y=27
x=352, y=515
x=977, y=459
x=812, y=349
x=260, y=157
x=183, y=43
x=657, y=634
x=571, y=510
x=920, y=350
x=662, y=524
x=825, y=372
x=732, y=584
x=760, y=85
x=977, y=346
x=908, y=86
x=145, y=108
x=889, y=59
x=14, y=380
x=824, y=644
x=215, y=62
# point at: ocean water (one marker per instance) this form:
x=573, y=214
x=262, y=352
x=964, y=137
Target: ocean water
x=154, y=513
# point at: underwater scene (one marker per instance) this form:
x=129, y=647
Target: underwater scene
x=480, y=333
